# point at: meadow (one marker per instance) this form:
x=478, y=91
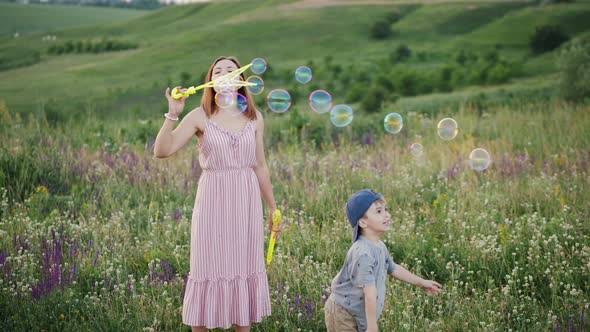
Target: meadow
x=38, y=18
x=95, y=231
x=97, y=238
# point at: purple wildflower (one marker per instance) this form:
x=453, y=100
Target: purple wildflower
x=453, y=171
x=309, y=308
x=368, y=139
x=3, y=255
x=96, y=259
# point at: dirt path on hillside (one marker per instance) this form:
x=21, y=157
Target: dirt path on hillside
x=304, y=4
x=289, y=9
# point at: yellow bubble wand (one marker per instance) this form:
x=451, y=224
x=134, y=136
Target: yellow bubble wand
x=228, y=80
x=276, y=219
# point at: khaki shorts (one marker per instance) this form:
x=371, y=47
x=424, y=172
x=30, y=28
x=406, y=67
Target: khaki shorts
x=338, y=319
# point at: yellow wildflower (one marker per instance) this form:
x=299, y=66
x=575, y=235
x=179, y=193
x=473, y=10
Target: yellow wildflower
x=41, y=189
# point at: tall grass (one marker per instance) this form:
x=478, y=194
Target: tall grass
x=94, y=232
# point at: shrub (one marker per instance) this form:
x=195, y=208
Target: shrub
x=574, y=63
x=79, y=46
x=547, y=38
x=384, y=81
x=464, y=57
x=355, y=93
x=373, y=99
x=446, y=74
x=401, y=53
x=407, y=83
x=381, y=30
x=69, y=46
x=499, y=73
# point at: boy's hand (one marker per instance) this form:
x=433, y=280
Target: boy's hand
x=431, y=287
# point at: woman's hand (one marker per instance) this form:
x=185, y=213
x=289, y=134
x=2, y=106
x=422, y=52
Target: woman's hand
x=175, y=106
x=271, y=227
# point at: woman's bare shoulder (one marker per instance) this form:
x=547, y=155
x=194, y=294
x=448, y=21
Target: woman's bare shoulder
x=259, y=119
x=198, y=117
x=198, y=112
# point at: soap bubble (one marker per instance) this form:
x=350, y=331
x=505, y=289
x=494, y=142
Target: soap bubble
x=279, y=100
x=447, y=129
x=341, y=115
x=258, y=66
x=303, y=74
x=320, y=101
x=393, y=123
x=416, y=150
x=255, y=89
x=479, y=159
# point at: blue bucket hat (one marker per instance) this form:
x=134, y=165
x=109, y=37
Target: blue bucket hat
x=357, y=205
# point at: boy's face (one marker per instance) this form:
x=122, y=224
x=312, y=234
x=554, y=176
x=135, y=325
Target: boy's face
x=377, y=218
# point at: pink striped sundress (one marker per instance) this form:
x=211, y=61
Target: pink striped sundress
x=227, y=283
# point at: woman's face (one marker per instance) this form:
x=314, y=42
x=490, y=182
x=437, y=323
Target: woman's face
x=221, y=68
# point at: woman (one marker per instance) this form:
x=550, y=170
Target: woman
x=227, y=284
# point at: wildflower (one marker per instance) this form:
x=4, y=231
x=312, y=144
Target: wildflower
x=41, y=189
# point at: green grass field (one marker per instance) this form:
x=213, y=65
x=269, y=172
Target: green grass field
x=187, y=38
x=510, y=245
x=94, y=231
x=34, y=18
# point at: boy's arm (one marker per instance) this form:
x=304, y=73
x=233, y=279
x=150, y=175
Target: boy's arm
x=430, y=286
x=370, y=294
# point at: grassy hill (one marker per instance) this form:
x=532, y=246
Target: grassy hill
x=49, y=18
x=187, y=38
x=95, y=231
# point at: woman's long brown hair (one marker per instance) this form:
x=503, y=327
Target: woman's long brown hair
x=208, y=100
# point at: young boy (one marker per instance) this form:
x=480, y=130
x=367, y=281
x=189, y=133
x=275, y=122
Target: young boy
x=358, y=290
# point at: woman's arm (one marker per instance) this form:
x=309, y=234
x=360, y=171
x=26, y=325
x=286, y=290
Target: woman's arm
x=170, y=140
x=261, y=169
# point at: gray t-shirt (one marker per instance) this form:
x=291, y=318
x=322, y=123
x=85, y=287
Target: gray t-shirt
x=367, y=264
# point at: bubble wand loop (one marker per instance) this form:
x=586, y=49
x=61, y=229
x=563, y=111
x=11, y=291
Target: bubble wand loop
x=276, y=219
x=228, y=80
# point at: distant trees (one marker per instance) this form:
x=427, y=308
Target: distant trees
x=135, y=4
x=89, y=46
x=473, y=68
x=385, y=80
